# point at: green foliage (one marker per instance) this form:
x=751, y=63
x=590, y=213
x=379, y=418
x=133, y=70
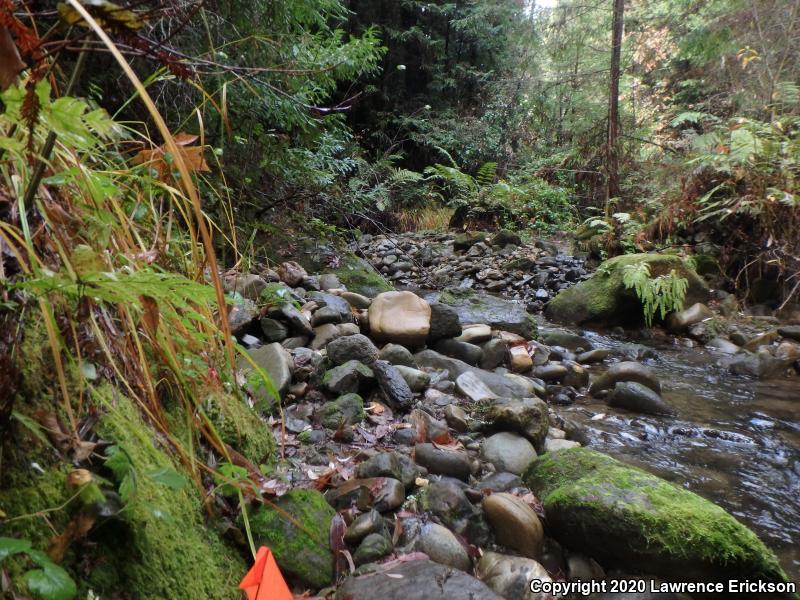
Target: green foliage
x=46, y=582
x=662, y=294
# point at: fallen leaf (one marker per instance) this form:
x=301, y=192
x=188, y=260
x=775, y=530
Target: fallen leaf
x=336, y=538
x=10, y=62
x=375, y=408
x=160, y=159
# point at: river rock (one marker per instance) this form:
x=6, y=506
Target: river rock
x=372, y=548
x=397, y=355
x=298, y=322
x=443, y=461
x=636, y=397
x=565, y=339
x=277, y=362
x=335, y=304
x=448, y=502
x=391, y=382
x=494, y=354
x=627, y=517
x=299, y=541
x=273, y=330
x=444, y=323
x=473, y=388
x=400, y=317
x=414, y=580
x=510, y=576
x=345, y=410
x=364, y=524
x=514, y=524
x=477, y=307
x=242, y=313
x=521, y=360
x=790, y=332
x=551, y=372
x=604, y=298
x=678, y=322
x=356, y=300
x=456, y=418
x=722, y=345
x=501, y=385
x=380, y=493
x=347, y=378
x=556, y=444
x=417, y=380
x=528, y=416
x=576, y=376
x=760, y=365
x=626, y=371
x=508, y=452
x=464, y=351
x=248, y=285
x=465, y=241
x=389, y=464
x=352, y=347
x=436, y=541
x=475, y=333
x=593, y=356
x=291, y=273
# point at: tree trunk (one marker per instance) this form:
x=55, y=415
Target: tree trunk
x=612, y=141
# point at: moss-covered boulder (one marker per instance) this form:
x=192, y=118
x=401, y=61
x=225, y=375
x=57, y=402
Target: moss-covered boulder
x=239, y=426
x=604, y=298
x=626, y=517
x=479, y=307
x=297, y=530
x=360, y=277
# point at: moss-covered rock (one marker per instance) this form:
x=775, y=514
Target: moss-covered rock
x=626, y=517
x=604, y=298
x=360, y=277
x=296, y=529
x=345, y=410
x=479, y=307
x=238, y=425
x=158, y=546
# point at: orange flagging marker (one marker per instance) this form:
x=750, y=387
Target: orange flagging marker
x=264, y=581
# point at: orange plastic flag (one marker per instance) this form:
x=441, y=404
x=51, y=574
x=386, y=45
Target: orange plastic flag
x=264, y=581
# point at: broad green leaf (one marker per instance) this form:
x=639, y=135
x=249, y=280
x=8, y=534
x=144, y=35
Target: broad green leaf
x=51, y=582
x=10, y=546
x=168, y=477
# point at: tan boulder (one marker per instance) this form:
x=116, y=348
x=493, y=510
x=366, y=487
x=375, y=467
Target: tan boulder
x=400, y=317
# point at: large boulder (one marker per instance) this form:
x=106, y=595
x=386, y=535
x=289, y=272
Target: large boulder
x=400, y=317
x=360, y=277
x=479, y=307
x=626, y=517
x=296, y=529
x=604, y=298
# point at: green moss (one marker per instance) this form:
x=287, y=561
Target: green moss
x=158, y=547
x=360, y=277
x=296, y=530
x=346, y=409
x=238, y=425
x=643, y=522
x=603, y=297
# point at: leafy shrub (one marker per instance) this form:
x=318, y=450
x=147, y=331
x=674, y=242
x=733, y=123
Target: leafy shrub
x=662, y=295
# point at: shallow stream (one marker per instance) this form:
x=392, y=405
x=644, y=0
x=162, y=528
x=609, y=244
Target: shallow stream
x=735, y=441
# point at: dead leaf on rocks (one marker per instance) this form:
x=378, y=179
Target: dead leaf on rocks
x=375, y=408
x=336, y=537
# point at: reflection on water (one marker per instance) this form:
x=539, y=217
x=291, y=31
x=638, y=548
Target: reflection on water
x=735, y=441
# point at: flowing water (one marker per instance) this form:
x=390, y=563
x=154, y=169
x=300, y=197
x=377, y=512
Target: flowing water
x=735, y=441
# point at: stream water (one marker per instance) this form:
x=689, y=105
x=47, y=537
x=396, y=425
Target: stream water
x=735, y=441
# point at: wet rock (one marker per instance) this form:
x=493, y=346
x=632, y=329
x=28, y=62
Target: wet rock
x=297, y=320
x=444, y=323
x=501, y=385
x=510, y=576
x=400, y=317
x=678, y=322
x=352, y=347
x=273, y=330
x=277, y=362
x=565, y=339
x=722, y=345
x=765, y=339
x=364, y=524
x=555, y=444
x=551, y=372
x=443, y=461
x=473, y=388
x=291, y=273
x=372, y=548
x=639, y=398
x=389, y=464
x=760, y=365
x=397, y=355
x=299, y=543
x=475, y=333
x=514, y=524
x=527, y=416
x=464, y=351
x=477, y=307
x=356, y=300
x=447, y=500
x=521, y=360
x=583, y=567
x=500, y=481
x=790, y=332
x=494, y=354
x=465, y=241
x=436, y=541
x=417, y=380
x=415, y=580
x=508, y=452
x=324, y=334
x=593, y=356
x=599, y=506
x=345, y=410
x=626, y=371
x=380, y=493
x=347, y=378
x=456, y=418
x=333, y=303
x=391, y=382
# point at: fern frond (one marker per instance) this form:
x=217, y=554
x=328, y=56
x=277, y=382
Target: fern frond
x=486, y=174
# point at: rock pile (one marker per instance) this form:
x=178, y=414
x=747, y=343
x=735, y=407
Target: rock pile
x=412, y=423
x=499, y=263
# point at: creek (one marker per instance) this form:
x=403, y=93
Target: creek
x=734, y=441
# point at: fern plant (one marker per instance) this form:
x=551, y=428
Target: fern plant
x=662, y=294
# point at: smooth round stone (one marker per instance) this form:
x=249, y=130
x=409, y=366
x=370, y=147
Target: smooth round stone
x=551, y=372
x=554, y=445
x=397, y=355
x=475, y=334
x=352, y=347
x=593, y=356
x=626, y=371
x=417, y=380
x=638, y=398
x=510, y=576
x=369, y=522
x=508, y=452
x=514, y=524
x=441, y=461
x=373, y=547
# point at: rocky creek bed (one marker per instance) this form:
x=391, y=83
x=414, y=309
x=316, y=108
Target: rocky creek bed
x=450, y=434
